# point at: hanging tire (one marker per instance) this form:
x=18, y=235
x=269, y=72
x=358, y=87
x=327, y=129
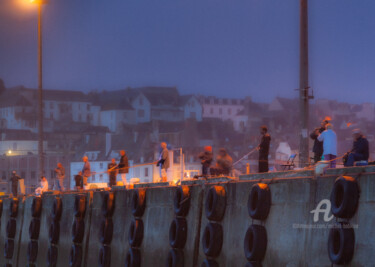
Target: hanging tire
x=209, y=263
x=136, y=230
x=13, y=207
x=175, y=258
x=259, y=202
x=32, y=251
x=105, y=256
x=80, y=206
x=178, y=233
x=75, y=256
x=36, y=207
x=52, y=256
x=341, y=243
x=9, y=249
x=255, y=243
x=182, y=201
x=108, y=205
x=215, y=203
x=34, y=228
x=57, y=209
x=1, y=208
x=78, y=230
x=212, y=239
x=138, y=202
x=11, y=228
x=106, y=231
x=54, y=232
x=133, y=258
x=253, y=264
x=345, y=197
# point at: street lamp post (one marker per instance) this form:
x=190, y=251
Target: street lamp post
x=40, y=87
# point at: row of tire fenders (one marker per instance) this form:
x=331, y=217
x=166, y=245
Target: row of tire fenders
x=341, y=242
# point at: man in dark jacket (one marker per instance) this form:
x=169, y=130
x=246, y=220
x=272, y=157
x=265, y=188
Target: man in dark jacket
x=206, y=160
x=224, y=163
x=318, y=146
x=360, y=149
x=123, y=167
x=264, y=148
x=112, y=173
x=14, y=182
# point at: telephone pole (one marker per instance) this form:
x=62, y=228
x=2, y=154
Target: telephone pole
x=304, y=85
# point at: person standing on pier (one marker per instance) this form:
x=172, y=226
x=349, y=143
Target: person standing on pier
x=318, y=146
x=264, y=148
x=112, y=173
x=123, y=167
x=206, y=160
x=60, y=175
x=86, y=170
x=329, y=139
x=224, y=164
x=14, y=182
x=163, y=162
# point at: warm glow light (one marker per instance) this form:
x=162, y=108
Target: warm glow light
x=10, y=152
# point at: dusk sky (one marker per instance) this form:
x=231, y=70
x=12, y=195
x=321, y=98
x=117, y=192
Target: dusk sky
x=231, y=48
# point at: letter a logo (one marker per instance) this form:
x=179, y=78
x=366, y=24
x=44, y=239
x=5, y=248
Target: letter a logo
x=325, y=211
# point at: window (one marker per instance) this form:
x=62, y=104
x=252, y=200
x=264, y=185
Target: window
x=141, y=101
x=23, y=175
x=50, y=105
x=101, y=178
x=33, y=175
x=4, y=176
x=220, y=111
x=146, y=172
x=101, y=165
x=52, y=173
x=141, y=113
x=229, y=111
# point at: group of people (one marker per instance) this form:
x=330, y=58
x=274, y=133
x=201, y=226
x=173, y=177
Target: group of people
x=224, y=162
x=325, y=146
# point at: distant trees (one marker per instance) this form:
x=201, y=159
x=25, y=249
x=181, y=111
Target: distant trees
x=2, y=86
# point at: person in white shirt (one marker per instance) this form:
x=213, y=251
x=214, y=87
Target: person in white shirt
x=43, y=186
x=329, y=139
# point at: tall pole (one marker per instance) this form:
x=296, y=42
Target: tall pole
x=40, y=93
x=304, y=85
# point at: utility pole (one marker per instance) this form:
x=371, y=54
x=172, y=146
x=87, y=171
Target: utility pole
x=40, y=93
x=304, y=85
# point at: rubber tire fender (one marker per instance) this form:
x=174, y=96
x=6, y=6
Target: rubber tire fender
x=209, y=263
x=34, y=228
x=259, y=202
x=32, y=251
x=255, y=243
x=175, y=258
x=36, y=207
x=57, y=208
x=178, y=233
x=54, y=232
x=80, y=206
x=138, y=203
x=11, y=228
x=345, y=197
x=181, y=201
x=52, y=256
x=215, y=203
x=133, y=258
x=105, y=256
x=212, y=239
x=13, y=207
x=9, y=249
x=78, y=230
x=136, y=231
x=106, y=231
x=75, y=256
x=341, y=243
x=108, y=204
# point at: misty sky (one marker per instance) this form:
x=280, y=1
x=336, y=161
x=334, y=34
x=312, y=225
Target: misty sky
x=214, y=47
